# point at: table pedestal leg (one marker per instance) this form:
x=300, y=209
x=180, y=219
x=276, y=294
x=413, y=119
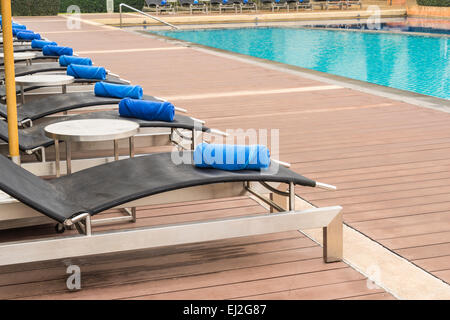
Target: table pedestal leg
x=131, y=147
x=116, y=150
x=57, y=164
x=69, y=157
x=64, y=91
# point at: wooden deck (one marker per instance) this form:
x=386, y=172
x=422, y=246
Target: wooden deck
x=278, y=266
x=389, y=159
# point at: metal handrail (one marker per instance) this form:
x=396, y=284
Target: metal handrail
x=145, y=14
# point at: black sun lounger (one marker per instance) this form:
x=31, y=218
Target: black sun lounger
x=54, y=66
x=39, y=56
x=22, y=70
x=40, y=108
x=22, y=48
x=110, y=78
x=191, y=6
x=100, y=188
x=72, y=200
x=15, y=40
x=34, y=138
x=157, y=6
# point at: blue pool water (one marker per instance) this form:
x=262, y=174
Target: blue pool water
x=415, y=63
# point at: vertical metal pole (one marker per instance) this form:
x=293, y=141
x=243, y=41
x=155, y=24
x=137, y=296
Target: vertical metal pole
x=8, y=56
x=88, y=226
x=120, y=14
x=131, y=147
x=194, y=139
x=116, y=150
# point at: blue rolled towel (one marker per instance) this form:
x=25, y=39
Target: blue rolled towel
x=224, y=1
x=231, y=157
x=39, y=44
x=28, y=36
x=86, y=72
x=18, y=26
x=163, y=2
x=64, y=61
x=57, y=51
x=147, y=110
x=104, y=89
x=16, y=31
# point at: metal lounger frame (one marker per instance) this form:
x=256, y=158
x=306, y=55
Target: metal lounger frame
x=329, y=218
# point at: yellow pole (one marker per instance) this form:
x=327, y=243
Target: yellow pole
x=11, y=103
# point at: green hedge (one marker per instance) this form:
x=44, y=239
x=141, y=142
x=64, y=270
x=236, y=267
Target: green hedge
x=88, y=6
x=35, y=7
x=434, y=3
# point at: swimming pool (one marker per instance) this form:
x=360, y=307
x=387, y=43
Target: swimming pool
x=415, y=63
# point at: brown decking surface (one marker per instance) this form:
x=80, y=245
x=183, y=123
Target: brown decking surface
x=284, y=265
x=389, y=159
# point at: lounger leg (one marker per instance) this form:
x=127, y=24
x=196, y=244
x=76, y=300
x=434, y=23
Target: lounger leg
x=333, y=239
x=84, y=227
x=285, y=202
x=43, y=156
x=194, y=139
